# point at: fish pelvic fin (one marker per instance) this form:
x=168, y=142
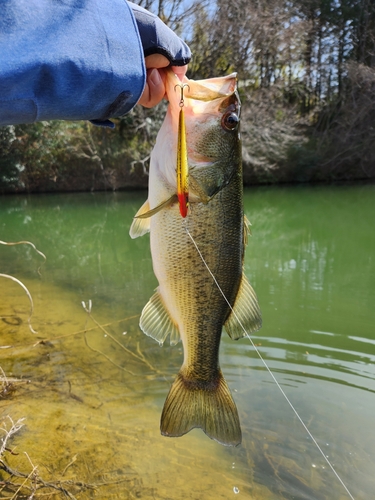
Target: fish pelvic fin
x=245, y=317
x=156, y=322
x=208, y=406
x=140, y=225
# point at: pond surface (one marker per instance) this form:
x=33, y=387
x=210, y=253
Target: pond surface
x=91, y=387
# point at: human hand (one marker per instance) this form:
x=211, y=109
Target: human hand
x=155, y=88
x=162, y=48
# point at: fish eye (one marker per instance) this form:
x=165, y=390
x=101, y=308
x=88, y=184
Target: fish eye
x=230, y=120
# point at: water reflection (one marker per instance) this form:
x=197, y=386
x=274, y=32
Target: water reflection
x=311, y=262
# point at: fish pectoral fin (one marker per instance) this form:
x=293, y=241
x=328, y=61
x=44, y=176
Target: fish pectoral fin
x=156, y=322
x=139, y=225
x=209, y=406
x=246, y=230
x=245, y=317
x=153, y=211
x=199, y=190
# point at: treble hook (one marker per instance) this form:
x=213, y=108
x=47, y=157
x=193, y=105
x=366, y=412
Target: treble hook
x=182, y=87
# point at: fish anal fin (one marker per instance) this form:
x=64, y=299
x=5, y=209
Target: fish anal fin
x=209, y=406
x=246, y=316
x=140, y=226
x=156, y=322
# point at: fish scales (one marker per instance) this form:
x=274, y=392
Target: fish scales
x=188, y=302
x=184, y=281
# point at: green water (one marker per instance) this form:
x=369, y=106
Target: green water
x=92, y=395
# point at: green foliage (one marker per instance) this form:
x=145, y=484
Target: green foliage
x=10, y=167
x=50, y=156
x=306, y=81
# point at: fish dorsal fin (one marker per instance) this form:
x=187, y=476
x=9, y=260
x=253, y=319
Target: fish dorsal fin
x=140, y=226
x=156, y=322
x=246, y=312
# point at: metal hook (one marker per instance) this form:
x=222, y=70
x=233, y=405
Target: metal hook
x=182, y=87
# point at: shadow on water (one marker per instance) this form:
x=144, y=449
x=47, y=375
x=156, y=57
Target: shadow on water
x=91, y=388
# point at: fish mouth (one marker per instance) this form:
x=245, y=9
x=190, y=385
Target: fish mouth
x=232, y=102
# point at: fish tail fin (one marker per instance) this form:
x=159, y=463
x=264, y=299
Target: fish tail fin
x=209, y=406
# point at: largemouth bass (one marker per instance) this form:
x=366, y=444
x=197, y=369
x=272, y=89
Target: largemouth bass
x=188, y=303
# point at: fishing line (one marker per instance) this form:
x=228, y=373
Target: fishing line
x=266, y=366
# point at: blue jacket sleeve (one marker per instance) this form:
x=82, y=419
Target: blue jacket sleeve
x=68, y=60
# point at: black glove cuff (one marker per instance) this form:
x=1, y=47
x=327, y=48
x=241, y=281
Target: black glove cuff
x=157, y=38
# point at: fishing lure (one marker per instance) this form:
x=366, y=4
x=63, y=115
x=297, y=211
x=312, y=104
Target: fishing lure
x=182, y=160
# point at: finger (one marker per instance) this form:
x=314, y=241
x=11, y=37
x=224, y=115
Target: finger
x=156, y=61
x=159, y=61
x=180, y=71
x=154, y=90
